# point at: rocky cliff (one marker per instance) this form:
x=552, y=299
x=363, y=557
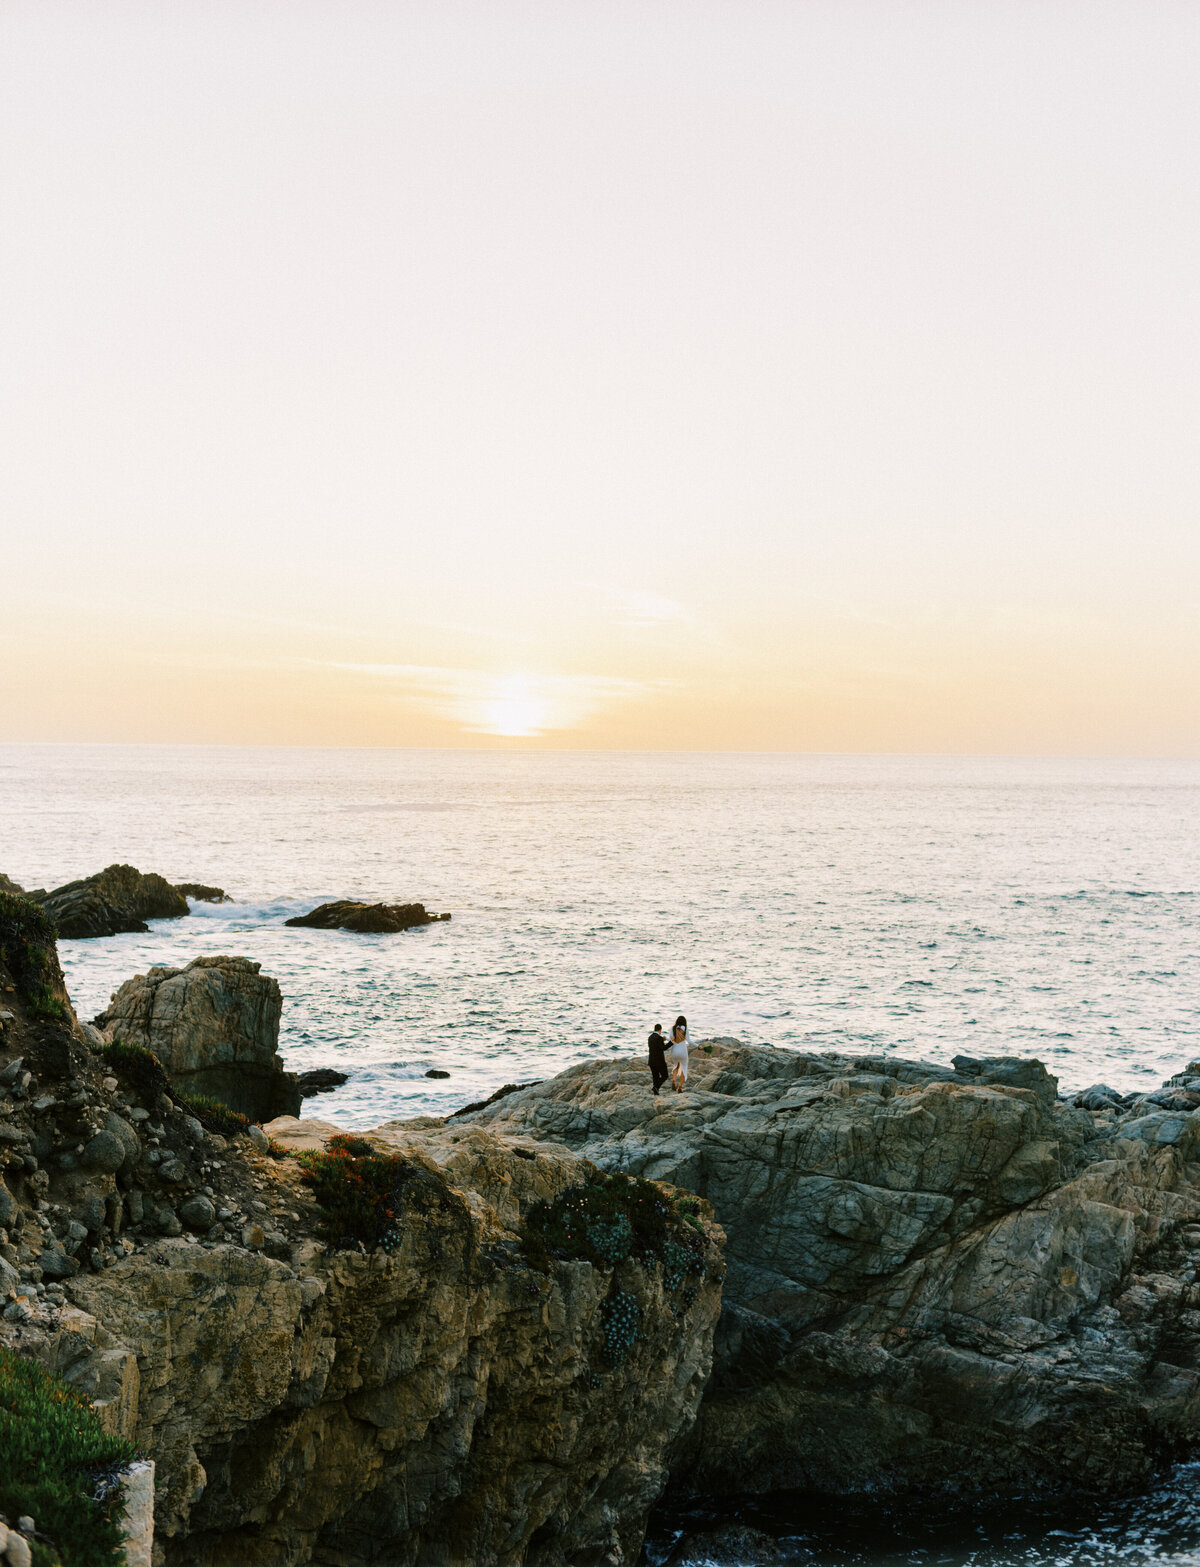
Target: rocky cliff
x=935, y=1277
x=451, y=1397
x=214, y=1025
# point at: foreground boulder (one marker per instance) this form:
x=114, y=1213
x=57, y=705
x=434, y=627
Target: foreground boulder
x=115, y=900
x=214, y=1025
x=935, y=1277
x=367, y=918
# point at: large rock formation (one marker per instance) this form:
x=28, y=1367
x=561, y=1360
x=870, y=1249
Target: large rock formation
x=444, y=1400
x=117, y=899
x=445, y=1403
x=214, y=1025
x=935, y=1277
x=367, y=918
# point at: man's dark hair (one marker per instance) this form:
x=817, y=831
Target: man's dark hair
x=657, y=1028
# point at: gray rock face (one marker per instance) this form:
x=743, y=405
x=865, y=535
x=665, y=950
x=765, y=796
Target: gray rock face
x=934, y=1278
x=214, y=1025
x=117, y=899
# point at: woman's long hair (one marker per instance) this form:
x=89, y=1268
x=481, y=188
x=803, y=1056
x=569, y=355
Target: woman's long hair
x=681, y=1021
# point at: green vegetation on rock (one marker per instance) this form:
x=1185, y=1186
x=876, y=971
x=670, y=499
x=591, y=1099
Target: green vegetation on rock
x=621, y=1316
x=53, y=1453
x=361, y=1192
x=214, y=1116
x=613, y=1217
x=138, y=1067
x=142, y=1071
x=27, y=950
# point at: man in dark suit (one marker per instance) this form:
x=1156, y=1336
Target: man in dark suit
x=658, y=1060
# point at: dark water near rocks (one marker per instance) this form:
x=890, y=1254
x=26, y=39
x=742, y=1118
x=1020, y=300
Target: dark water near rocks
x=1158, y=1527
x=918, y=906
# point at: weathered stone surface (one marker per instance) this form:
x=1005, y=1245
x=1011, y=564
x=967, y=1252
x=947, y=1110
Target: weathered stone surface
x=117, y=899
x=443, y=1403
x=7, y=884
x=214, y=1025
x=934, y=1278
x=367, y=918
x=137, y=1519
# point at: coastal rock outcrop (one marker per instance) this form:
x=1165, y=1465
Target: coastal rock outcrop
x=448, y=1398
x=116, y=899
x=367, y=918
x=936, y=1278
x=445, y=1402
x=214, y=1025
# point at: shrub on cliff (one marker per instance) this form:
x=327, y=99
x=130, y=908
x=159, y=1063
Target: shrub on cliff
x=361, y=1192
x=53, y=1450
x=213, y=1116
x=27, y=950
x=138, y=1067
x=612, y=1217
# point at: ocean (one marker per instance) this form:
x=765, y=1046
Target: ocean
x=917, y=906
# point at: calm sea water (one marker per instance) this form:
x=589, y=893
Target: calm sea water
x=916, y=905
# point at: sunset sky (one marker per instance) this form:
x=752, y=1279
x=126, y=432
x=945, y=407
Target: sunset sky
x=760, y=376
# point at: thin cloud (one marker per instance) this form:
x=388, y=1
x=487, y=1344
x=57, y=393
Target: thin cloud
x=640, y=606
x=514, y=704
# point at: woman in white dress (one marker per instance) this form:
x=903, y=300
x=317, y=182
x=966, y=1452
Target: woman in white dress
x=677, y=1053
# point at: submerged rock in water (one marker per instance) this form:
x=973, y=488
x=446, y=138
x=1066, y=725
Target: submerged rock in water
x=936, y=1278
x=202, y=894
x=214, y=1025
x=367, y=918
x=117, y=899
x=319, y=1081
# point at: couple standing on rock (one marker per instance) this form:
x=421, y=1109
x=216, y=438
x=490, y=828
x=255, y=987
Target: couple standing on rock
x=676, y=1052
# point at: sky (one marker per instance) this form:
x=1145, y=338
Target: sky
x=753, y=376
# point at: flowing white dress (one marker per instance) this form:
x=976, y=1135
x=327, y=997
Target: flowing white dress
x=677, y=1054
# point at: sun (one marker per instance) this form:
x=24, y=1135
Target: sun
x=513, y=709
